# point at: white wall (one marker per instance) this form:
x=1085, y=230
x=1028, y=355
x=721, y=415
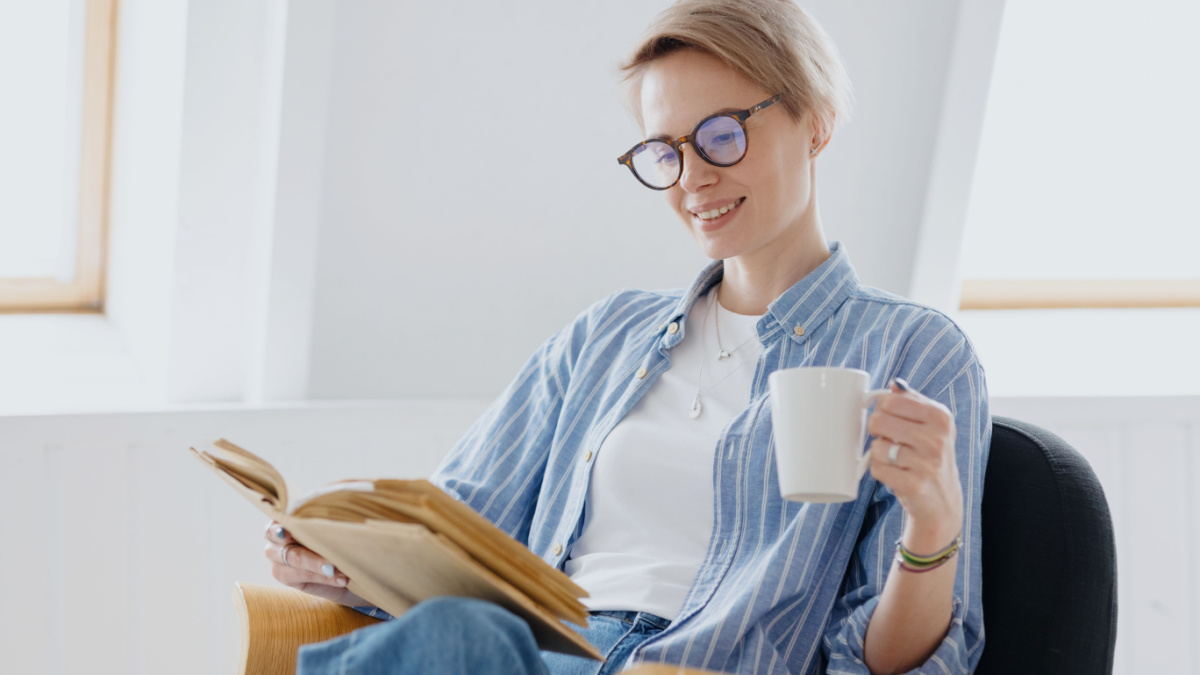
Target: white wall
x=449, y=249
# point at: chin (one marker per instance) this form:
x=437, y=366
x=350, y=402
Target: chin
x=717, y=247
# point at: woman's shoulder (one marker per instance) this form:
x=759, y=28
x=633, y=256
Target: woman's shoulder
x=630, y=307
x=921, y=337
x=912, y=314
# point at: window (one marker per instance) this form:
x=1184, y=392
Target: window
x=1084, y=190
x=56, y=60
x=1082, y=230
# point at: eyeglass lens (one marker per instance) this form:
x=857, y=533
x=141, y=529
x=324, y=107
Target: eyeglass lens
x=657, y=164
x=720, y=141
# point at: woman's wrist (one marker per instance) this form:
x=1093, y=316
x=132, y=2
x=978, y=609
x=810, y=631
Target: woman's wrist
x=925, y=538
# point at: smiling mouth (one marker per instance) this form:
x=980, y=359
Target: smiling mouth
x=707, y=217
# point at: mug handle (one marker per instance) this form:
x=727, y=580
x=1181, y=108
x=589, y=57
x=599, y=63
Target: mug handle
x=868, y=398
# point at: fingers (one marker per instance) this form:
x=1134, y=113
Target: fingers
x=293, y=564
x=903, y=482
x=919, y=423
x=899, y=430
x=276, y=534
x=335, y=593
x=913, y=406
x=913, y=455
x=907, y=459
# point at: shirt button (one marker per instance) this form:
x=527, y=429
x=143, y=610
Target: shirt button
x=587, y=456
x=557, y=549
x=673, y=328
x=798, y=330
x=641, y=373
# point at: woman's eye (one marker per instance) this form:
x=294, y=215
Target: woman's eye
x=665, y=159
x=723, y=139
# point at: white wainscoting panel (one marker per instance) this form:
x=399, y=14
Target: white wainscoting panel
x=118, y=551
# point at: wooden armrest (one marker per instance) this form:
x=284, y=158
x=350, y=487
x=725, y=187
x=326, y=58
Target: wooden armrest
x=276, y=621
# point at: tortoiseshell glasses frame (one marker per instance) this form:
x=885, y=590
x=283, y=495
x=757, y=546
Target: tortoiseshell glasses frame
x=663, y=157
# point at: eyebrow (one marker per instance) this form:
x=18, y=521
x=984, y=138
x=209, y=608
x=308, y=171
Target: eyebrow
x=668, y=137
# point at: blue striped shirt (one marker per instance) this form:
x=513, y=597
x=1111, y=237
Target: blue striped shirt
x=784, y=587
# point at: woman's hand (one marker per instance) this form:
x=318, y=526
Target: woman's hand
x=301, y=569
x=924, y=476
x=914, y=610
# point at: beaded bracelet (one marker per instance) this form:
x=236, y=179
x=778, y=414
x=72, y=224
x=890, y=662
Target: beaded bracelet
x=916, y=563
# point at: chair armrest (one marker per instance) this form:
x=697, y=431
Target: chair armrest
x=277, y=621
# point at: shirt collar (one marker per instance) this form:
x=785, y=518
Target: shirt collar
x=810, y=301
x=800, y=309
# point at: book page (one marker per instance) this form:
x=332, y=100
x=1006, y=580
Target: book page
x=257, y=469
x=398, y=564
x=253, y=494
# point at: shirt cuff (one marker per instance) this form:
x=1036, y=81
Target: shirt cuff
x=374, y=612
x=846, y=652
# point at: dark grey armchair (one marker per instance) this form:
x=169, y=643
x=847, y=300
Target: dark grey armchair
x=1049, y=558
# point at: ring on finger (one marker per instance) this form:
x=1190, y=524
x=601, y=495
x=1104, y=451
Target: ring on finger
x=893, y=454
x=283, y=553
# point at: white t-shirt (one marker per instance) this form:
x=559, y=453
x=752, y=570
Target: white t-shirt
x=649, y=510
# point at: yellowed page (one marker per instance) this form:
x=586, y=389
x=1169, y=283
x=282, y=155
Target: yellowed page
x=260, y=470
x=394, y=565
x=264, y=502
x=426, y=503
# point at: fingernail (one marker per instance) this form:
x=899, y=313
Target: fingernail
x=327, y=569
x=342, y=581
x=279, y=532
x=902, y=384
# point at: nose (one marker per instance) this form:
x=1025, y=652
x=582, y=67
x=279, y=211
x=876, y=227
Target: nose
x=697, y=173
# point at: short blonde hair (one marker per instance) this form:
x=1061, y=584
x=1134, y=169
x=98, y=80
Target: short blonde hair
x=774, y=43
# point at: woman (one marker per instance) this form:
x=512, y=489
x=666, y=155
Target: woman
x=633, y=450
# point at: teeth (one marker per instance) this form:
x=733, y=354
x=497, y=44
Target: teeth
x=709, y=215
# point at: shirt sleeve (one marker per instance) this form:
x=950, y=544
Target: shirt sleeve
x=373, y=612
x=958, y=383
x=497, y=467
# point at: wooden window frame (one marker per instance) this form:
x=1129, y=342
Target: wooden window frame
x=86, y=292
x=1090, y=294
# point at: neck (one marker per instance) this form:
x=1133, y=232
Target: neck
x=753, y=281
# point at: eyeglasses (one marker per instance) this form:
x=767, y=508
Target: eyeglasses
x=719, y=139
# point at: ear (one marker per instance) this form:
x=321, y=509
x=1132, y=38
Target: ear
x=821, y=133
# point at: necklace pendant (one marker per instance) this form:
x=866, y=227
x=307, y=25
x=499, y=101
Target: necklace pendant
x=697, y=408
x=722, y=355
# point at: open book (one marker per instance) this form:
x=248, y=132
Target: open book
x=403, y=541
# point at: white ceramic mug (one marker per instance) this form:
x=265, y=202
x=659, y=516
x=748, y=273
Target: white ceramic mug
x=820, y=424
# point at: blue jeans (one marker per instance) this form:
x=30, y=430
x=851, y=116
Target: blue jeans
x=448, y=636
